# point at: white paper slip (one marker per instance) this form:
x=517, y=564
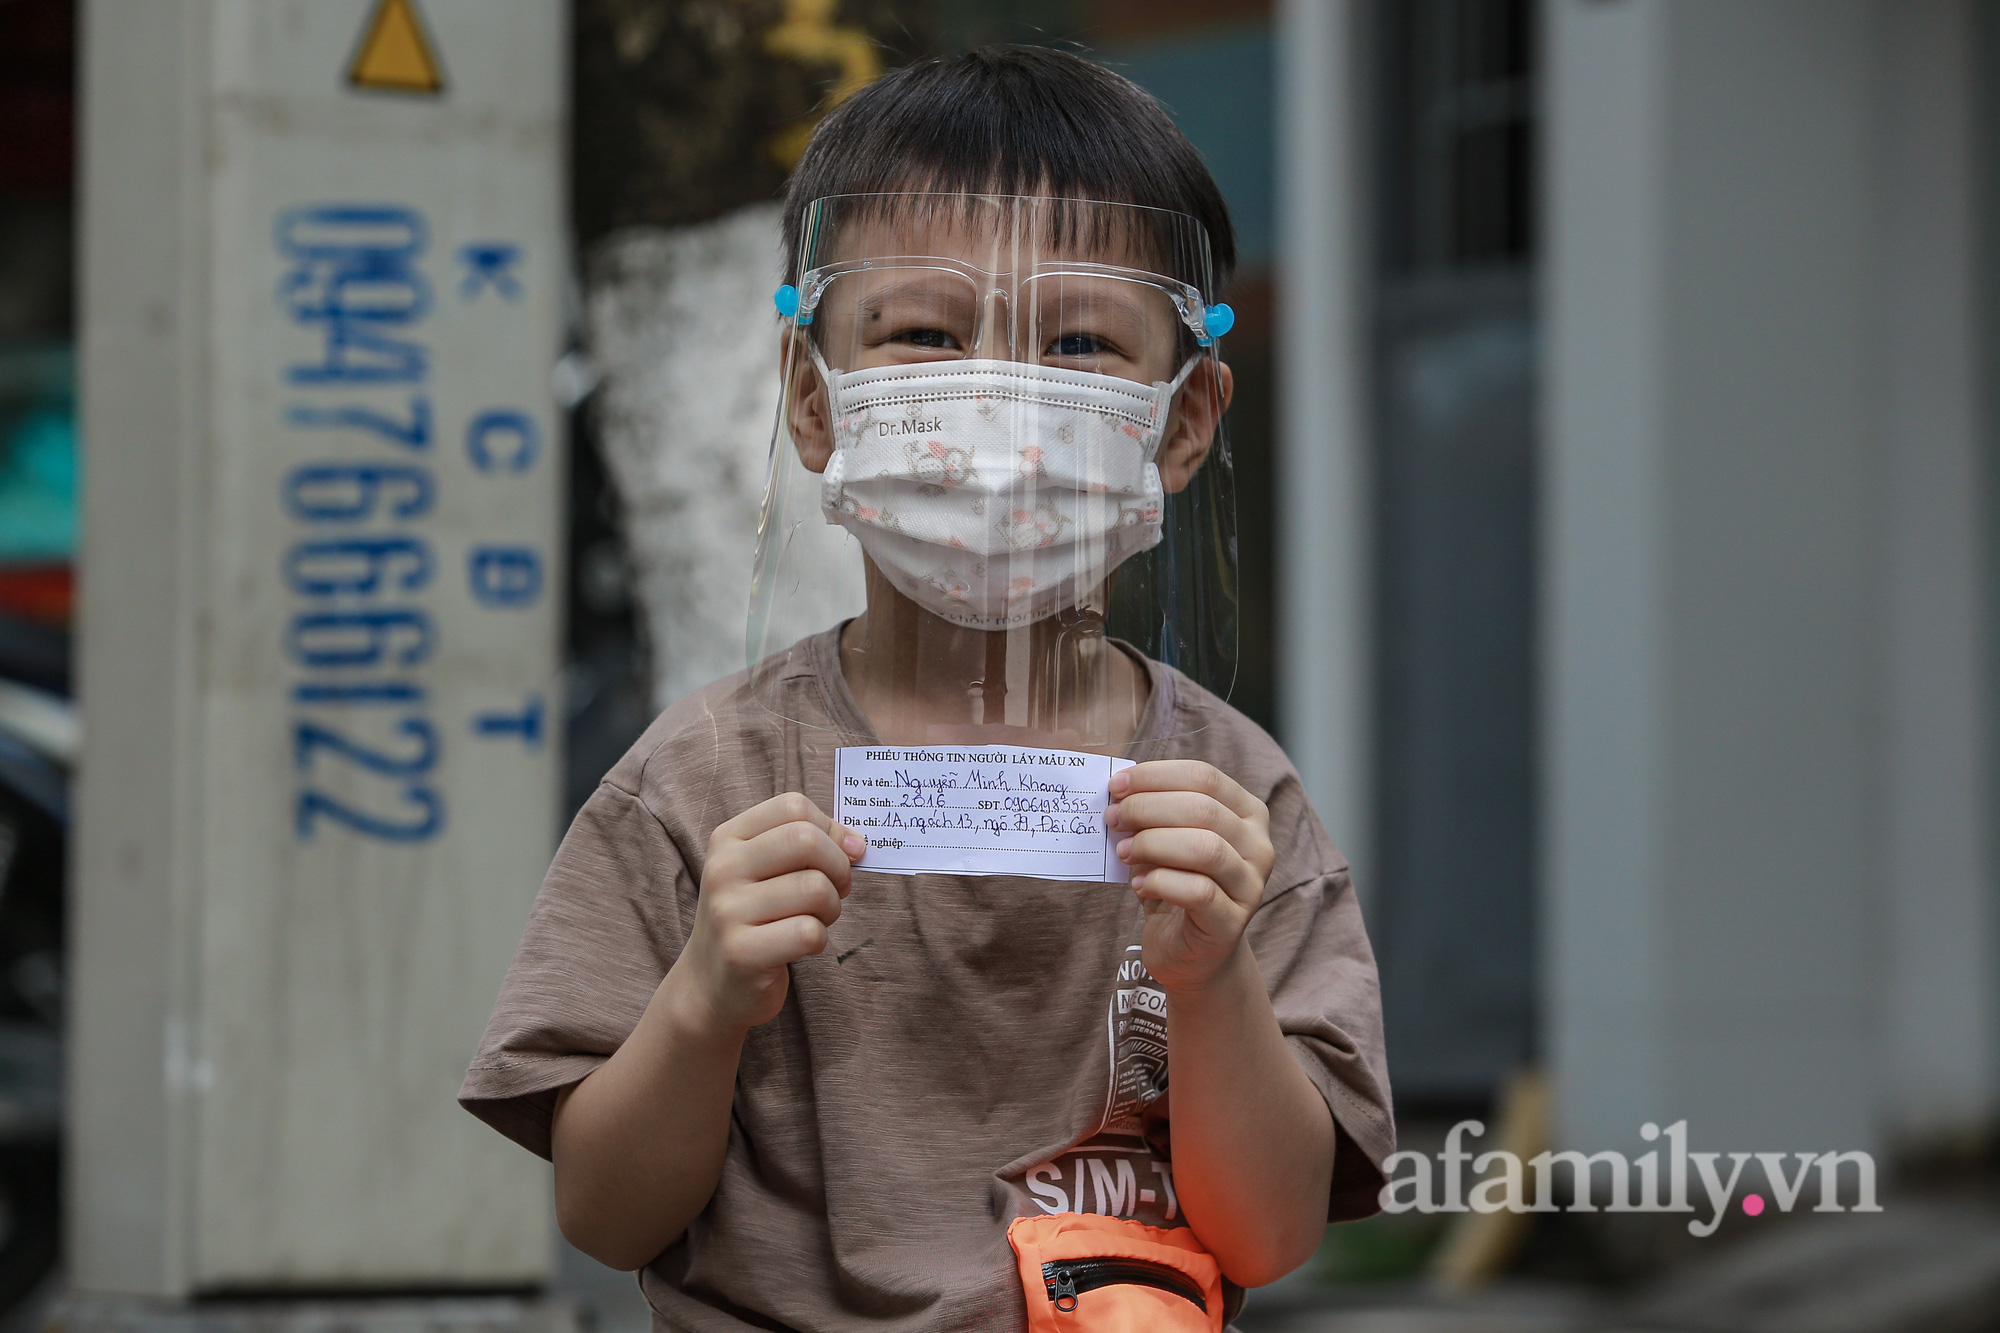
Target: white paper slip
x=980, y=810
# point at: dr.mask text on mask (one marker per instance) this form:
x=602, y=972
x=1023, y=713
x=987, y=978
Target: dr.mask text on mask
x=914, y=426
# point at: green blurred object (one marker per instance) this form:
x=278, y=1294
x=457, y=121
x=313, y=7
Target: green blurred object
x=1384, y=1248
x=38, y=458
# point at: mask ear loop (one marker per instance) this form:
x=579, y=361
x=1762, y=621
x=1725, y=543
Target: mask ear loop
x=1168, y=388
x=826, y=374
x=1163, y=401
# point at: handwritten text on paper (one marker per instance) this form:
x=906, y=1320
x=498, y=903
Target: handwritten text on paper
x=980, y=810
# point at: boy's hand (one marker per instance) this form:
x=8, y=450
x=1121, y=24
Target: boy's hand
x=772, y=886
x=1200, y=852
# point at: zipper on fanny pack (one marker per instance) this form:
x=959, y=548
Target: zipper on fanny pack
x=1068, y=1278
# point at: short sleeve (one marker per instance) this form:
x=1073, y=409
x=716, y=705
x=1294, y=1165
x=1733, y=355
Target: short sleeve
x=1309, y=943
x=610, y=919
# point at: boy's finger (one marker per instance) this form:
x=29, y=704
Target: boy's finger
x=792, y=807
x=794, y=846
x=785, y=808
x=1196, y=851
x=1185, y=775
x=1175, y=809
x=801, y=893
x=778, y=942
x=1197, y=894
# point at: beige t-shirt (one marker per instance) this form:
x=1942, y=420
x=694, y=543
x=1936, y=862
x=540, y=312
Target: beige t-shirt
x=965, y=1051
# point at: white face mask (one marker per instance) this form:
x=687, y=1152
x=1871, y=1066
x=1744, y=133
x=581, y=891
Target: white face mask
x=995, y=493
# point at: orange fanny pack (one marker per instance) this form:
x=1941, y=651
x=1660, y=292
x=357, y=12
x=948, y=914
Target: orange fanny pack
x=1087, y=1273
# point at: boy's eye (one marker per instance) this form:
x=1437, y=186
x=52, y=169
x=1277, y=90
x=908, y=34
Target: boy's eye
x=932, y=339
x=1078, y=344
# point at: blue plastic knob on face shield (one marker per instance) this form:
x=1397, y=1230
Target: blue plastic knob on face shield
x=1001, y=424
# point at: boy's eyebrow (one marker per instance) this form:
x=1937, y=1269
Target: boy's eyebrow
x=1124, y=298
x=954, y=293
x=1097, y=292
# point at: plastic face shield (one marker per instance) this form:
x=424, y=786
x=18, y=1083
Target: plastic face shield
x=999, y=458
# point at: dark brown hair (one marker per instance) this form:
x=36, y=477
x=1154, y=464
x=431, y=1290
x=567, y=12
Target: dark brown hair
x=1009, y=120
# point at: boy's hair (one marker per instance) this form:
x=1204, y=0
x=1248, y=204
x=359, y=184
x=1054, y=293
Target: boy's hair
x=1009, y=120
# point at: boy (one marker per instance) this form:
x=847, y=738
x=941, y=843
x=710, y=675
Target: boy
x=801, y=1095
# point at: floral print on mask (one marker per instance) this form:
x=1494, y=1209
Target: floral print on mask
x=1031, y=529
x=935, y=465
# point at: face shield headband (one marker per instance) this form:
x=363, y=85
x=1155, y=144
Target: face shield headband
x=1207, y=322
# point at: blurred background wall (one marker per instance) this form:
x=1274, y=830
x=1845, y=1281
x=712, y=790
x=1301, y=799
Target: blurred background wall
x=1614, y=445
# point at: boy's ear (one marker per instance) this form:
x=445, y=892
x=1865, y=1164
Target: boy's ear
x=1196, y=416
x=807, y=411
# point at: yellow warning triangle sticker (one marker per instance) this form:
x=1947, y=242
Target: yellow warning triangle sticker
x=394, y=53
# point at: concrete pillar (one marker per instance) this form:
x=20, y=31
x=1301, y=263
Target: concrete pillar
x=1324, y=605
x=322, y=258
x=1943, y=959
x=1763, y=857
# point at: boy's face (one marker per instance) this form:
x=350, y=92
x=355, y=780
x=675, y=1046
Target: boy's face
x=995, y=287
